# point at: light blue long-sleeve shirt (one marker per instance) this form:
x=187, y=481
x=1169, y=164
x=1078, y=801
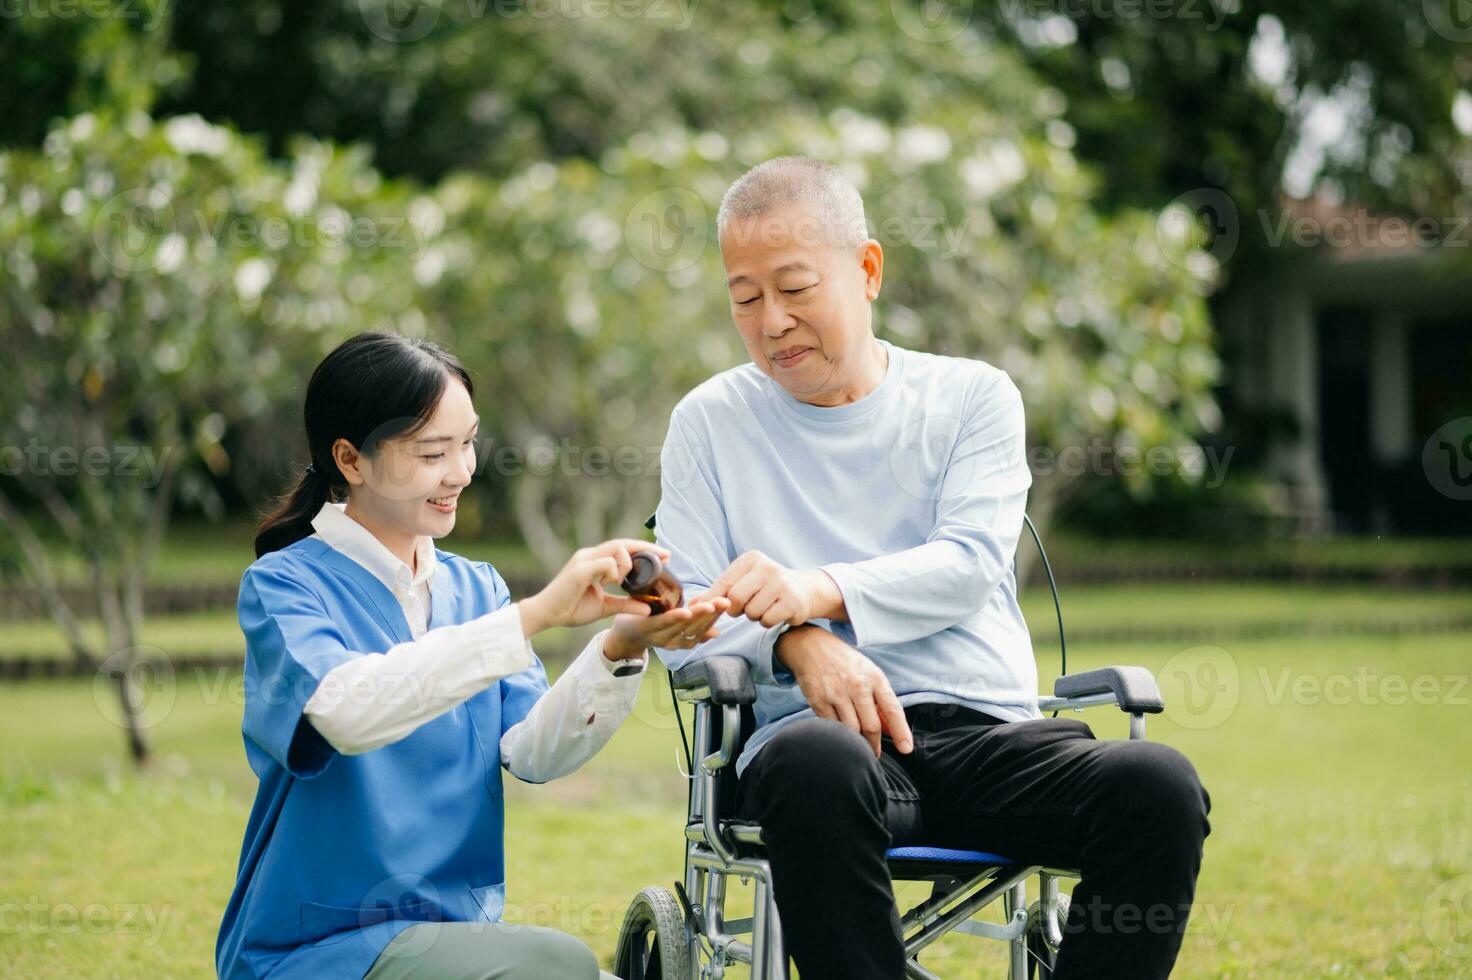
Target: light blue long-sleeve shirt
x=910, y=498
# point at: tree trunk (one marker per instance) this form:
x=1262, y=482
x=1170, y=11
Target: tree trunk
x=39, y=567
x=122, y=635
x=529, y=500
x=127, y=684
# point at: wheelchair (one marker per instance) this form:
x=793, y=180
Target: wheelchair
x=684, y=934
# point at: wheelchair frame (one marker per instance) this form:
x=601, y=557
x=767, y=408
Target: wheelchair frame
x=718, y=848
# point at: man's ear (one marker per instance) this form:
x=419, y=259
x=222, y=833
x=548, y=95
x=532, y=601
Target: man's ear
x=347, y=457
x=871, y=260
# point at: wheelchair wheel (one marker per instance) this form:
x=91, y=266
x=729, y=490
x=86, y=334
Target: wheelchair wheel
x=654, y=942
x=1042, y=959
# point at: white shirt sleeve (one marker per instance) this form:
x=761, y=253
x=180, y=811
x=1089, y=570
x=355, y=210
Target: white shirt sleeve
x=373, y=701
x=574, y=719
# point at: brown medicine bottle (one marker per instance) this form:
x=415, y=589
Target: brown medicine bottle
x=651, y=583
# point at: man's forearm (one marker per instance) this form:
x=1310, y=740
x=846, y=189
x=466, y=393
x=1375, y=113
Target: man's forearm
x=922, y=590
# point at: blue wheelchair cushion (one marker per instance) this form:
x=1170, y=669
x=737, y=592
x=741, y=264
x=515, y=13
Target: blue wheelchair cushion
x=945, y=854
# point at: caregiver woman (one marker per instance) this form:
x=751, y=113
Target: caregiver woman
x=388, y=682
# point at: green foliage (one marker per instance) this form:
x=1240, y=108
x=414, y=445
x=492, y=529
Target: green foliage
x=1161, y=97
x=1165, y=97
x=162, y=283
x=587, y=294
x=592, y=296
x=74, y=56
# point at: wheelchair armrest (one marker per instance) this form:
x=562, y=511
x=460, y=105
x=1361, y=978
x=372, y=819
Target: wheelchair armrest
x=722, y=679
x=1134, y=688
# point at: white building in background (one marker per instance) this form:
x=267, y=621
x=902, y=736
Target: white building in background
x=1357, y=343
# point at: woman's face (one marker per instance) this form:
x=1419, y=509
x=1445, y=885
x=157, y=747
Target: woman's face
x=412, y=484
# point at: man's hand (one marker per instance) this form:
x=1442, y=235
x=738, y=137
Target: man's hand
x=841, y=683
x=761, y=589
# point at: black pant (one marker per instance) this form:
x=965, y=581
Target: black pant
x=1130, y=815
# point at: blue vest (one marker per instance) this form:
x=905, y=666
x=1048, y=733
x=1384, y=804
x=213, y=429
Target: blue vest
x=342, y=853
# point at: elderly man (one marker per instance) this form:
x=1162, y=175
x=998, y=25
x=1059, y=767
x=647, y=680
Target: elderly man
x=860, y=504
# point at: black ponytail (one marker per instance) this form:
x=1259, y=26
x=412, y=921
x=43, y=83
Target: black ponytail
x=372, y=387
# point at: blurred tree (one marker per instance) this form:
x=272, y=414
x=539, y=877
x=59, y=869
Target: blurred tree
x=162, y=283
x=1351, y=97
x=106, y=56
x=1165, y=98
x=582, y=276
x=1220, y=107
x=594, y=296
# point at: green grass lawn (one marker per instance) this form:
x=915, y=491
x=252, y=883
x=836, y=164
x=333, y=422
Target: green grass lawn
x=195, y=552
x=1346, y=552
x=1342, y=802
x=1086, y=608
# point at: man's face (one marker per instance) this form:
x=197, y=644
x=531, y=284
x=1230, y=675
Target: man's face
x=800, y=303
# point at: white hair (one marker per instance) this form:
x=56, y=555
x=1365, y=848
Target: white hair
x=793, y=180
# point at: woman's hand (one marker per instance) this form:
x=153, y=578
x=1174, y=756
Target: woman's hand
x=575, y=595
x=678, y=629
